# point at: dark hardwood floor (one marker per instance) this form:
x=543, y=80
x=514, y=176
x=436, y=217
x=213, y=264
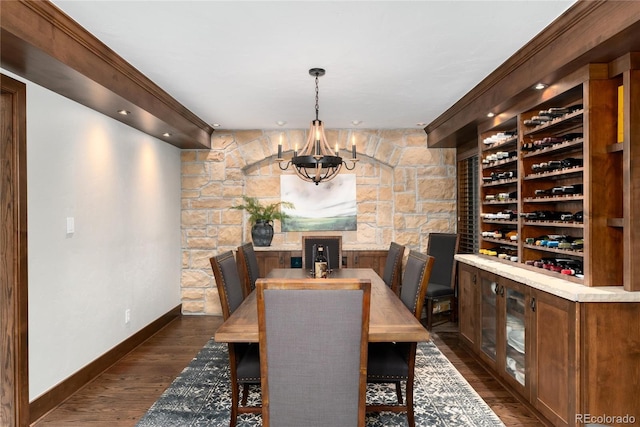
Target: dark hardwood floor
x=121, y=395
x=511, y=411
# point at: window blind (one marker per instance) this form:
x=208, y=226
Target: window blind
x=468, y=206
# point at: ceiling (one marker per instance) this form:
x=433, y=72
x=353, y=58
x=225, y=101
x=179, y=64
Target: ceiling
x=244, y=64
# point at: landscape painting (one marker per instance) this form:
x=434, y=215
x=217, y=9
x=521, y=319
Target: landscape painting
x=329, y=206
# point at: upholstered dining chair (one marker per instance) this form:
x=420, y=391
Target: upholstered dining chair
x=244, y=359
x=442, y=284
x=313, y=351
x=334, y=245
x=248, y=267
x=395, y=362
x=392, y=273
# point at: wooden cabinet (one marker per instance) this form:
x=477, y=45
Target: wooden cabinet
x=504, y=343
x=553, y=350
x=268, y=260
x=610, y=359
x=525, y=336
x=565, y=358
x=468, y=308
x=375, y=259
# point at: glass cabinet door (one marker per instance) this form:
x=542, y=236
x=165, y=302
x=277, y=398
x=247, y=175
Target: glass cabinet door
x=489, y=312
x=515, y=335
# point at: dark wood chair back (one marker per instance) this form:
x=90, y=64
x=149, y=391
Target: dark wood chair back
x=415, y=280
x=248, y=267
x=443, y=247
x=442, y=285
x=313, y=351
x=392, y=274
x=225, y=271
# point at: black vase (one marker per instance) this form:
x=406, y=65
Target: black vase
x=262, y=233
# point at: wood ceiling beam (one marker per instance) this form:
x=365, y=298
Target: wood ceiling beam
x=588, y=32
x=42, y=44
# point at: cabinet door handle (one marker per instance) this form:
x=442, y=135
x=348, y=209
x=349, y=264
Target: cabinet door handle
x=533, y=304
x=502, y=290
x=473, y=279
x=356, y=260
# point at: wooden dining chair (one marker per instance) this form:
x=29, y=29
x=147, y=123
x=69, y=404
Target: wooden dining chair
x=442, y=284
x=334, y=245
x=248, y=267
x=244, y=359
x=395, y=362
x=392, y=273
x=313, y=351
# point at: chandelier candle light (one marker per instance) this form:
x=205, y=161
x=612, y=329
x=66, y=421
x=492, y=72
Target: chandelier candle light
x=316, y=162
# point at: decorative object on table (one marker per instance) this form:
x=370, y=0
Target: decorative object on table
x=331, y=207
x=200, y=395
x=320, y=263
x=317, y=161
x=332, y=251
x=262, y=216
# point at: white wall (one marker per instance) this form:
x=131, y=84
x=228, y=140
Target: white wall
x=122, y=187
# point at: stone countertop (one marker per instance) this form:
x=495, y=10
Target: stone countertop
x=555, y=286
x=347, y=247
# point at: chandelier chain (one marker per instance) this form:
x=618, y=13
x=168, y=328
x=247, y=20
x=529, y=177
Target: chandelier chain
x=317, y=104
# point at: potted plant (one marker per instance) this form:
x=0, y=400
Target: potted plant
x=261, y=218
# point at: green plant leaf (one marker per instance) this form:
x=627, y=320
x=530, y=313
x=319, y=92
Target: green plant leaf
x=259, y=212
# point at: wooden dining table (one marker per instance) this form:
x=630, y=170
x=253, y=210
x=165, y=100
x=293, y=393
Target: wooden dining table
x=389, y=320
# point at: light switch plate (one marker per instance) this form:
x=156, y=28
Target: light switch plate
x=71, y=225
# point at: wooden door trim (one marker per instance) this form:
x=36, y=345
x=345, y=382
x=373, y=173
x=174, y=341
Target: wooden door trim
x=14, y=381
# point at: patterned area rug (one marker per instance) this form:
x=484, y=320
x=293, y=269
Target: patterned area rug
x=200, y=395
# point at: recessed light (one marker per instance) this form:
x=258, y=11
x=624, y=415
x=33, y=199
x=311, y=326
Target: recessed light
x=167, y=134
x=490, y=115
x=540, y=86
x=124, y=112
x=356, y=122
x=421, y=124
x=281, y=123
x=215, y=125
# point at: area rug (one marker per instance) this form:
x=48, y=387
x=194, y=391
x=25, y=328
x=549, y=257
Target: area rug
x=200, y=395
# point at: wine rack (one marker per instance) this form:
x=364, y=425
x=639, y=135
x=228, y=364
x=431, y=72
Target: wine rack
x=544, y=197
x=499, y=192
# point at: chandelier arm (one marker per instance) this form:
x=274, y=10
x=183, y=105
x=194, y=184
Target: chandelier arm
x=286, y=167
x=334, y=172
x=303, y=173
x=353, y=164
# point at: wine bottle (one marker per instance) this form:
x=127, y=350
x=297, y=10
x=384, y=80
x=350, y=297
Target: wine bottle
x=572, y=189
x=320, y=264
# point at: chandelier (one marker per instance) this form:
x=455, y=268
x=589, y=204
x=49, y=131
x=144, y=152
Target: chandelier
x=316, y=162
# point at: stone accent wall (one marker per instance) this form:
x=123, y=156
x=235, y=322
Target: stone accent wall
x=404, y=191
